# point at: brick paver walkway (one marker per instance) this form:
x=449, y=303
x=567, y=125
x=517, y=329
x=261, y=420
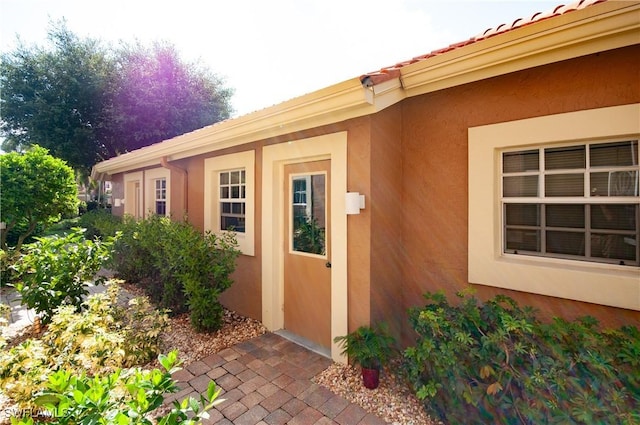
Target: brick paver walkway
x=267, y=380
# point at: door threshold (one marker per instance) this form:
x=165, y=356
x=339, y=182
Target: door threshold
x=309, y=345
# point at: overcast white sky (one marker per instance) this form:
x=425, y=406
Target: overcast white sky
x=270, y=51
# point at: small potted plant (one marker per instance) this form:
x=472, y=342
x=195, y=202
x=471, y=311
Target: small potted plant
x=371, y=348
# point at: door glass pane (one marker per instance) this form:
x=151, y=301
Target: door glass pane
x=308, y=207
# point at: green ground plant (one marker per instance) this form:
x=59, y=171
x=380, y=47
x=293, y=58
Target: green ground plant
x=104, y=337
x=178, y=266
x=494, y=362
x=99, y=223
x=122, y=397
x=56, y=271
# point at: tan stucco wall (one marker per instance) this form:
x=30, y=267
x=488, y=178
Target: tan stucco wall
x=244, y=295
x=434, y=137
x=410, y=161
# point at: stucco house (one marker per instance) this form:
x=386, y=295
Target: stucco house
x=507, y=162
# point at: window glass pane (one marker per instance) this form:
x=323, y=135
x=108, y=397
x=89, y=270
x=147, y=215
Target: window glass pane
x=224, y=178
x=226, y=207
x=161, y=207
x=514, y=162
x=308, y=219
x=516, y=186
x=237, y=224
x=614, y=217
x=224, y=192
x=243, y=192
x=242, y=176
x=564, y=185
x=616, y=247
x=570, y=243
x=236, y=208
x=614, y=154
x=564, y=158
x=565, y=216
x=523, y=214
x=235, y=192
x=615, y=183
x=522, y=240
x=235, y=177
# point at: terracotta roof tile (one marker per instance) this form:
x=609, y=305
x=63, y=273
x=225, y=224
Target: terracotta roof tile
x=393, y=71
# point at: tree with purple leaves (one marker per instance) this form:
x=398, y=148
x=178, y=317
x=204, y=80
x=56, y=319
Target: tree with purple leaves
x=86, y=101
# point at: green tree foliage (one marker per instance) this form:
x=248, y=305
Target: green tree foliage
x=37, y=188
x=86, y=102
x=54, y=97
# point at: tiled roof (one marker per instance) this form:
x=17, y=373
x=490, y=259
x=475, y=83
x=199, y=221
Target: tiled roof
x=390, y=72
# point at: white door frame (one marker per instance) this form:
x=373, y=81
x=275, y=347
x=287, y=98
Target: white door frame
x=274, y=157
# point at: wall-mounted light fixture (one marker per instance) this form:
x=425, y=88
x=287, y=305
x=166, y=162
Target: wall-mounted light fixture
x=354, y=202
x=117, y=202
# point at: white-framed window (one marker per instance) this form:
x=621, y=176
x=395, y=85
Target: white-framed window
x=229, y=197
x=540, y=191
x=575, y=201
x=160, y=196
x=233, y=194
x=157, y=189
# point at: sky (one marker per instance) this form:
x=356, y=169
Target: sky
x=269, y=51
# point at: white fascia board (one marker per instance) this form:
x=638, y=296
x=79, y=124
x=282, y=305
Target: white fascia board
x=597, y=28
x=333, y=104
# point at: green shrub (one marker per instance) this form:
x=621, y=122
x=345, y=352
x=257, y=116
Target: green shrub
x=496, y=363
x=123, y=397
x=55, y=271
x=8, y=274
x=101, y=339
x=179, y=267
x=99, y=223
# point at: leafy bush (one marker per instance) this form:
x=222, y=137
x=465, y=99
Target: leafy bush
x=100, y=223
x=496, y=363
x=99, y=340
x=8, y=259
x=178, y=266
x=37, y=189
x=55, y=271
x=123, y=397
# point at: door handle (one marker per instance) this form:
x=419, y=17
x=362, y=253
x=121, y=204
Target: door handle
x=328, y=264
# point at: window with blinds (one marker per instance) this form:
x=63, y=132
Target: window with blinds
x=579, y=202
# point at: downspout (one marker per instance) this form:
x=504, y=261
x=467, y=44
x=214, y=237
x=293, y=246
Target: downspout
x=165, y=164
